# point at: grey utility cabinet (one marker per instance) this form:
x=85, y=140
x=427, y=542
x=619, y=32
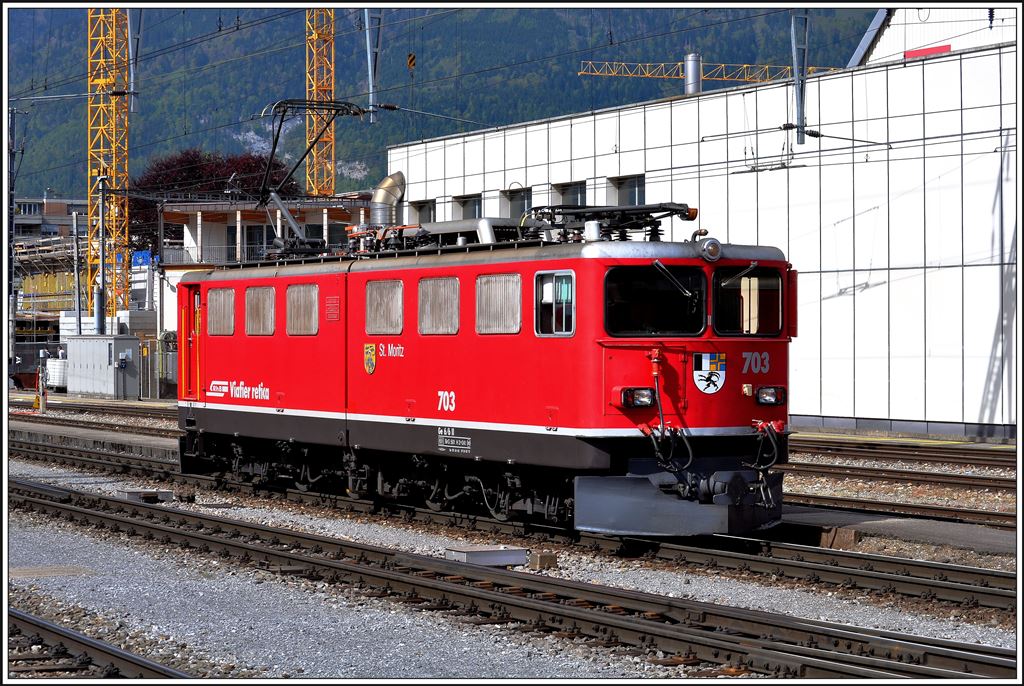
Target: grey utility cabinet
x=103, y=366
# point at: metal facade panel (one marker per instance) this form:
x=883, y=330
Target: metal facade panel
x=454, y=156
x=806, y=350
x=871, y=344
x=985, y=361
x=906, y=344
x=583, y=139
x=837, y=353
x=494, y=152
x=944, y=344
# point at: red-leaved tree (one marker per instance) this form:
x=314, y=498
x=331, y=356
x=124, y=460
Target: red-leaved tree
x=199, y=174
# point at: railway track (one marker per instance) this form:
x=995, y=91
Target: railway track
x=949, y=583
x=100, y=426
x=958, y=454
x=916, y=477
x=685, y=631
x=1002, y=520
x=161, y=412
x=69, y=651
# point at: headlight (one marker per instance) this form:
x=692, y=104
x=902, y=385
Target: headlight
x=637, y=397
x=710, y=249
x=771, y=395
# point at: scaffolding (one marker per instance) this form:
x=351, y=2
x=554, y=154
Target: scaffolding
x=108, y=155
x=320, y=88
x=747, y=73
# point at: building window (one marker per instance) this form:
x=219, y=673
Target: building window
x=519, y=201
x=259, y=311
x=572, y=193
x=630, y=190
x=302, y=309
x=220, y=320
x=498, y=303
x=469, y=207
x=555, y=304
x=425, y=211
x=383, y=307
x=28, y=208
x=439, y=306
x=81, y=209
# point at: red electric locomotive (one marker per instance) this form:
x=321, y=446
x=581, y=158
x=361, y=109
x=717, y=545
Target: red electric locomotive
x=574, y=372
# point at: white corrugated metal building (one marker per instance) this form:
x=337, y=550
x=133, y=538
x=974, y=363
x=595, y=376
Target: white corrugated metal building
x=901, y=217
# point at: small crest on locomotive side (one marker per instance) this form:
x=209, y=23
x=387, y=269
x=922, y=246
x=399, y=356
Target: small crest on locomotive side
x=709, y=371
x=369, y=357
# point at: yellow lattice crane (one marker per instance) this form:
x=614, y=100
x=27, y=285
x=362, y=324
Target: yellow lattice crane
x=749, y=73
x=320, y=88
x=108, y=156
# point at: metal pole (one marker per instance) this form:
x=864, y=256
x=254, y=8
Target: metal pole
x=78, y=275
x=12, y=291
x=101, y=308
x=798, y=38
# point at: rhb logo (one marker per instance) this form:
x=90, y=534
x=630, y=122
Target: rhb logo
x=218, y=389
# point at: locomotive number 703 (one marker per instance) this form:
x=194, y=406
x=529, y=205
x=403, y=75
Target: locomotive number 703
x=758, y=363
x=446, y=401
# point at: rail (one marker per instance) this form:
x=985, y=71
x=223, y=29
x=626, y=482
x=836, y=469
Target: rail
x=691, y=631
x=115, y=661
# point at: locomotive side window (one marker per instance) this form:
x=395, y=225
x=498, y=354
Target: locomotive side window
x=259, y=311
x=302, y=309
x=748, y=302
x=221, y=306
x=499, y=303
x=643, y=301
x=439, y=306
x=383, y=307
x=554, y=304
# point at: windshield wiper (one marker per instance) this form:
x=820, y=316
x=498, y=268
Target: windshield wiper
x=673, y=280
x=753, y=265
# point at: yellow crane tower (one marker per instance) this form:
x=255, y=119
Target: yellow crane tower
x=748, y=73
x=320, y=88
x=108, y=156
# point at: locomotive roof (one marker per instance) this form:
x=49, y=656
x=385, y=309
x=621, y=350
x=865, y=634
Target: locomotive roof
x=493, y=253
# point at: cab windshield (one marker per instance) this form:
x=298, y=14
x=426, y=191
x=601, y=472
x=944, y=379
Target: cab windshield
x=643, y=301
x=747, y=302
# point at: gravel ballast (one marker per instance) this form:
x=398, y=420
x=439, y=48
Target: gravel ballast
x=818, y=604
x=230, y=620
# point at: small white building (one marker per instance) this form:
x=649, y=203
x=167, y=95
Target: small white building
x=899, y=210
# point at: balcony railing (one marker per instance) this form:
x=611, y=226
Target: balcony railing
x=220, y=254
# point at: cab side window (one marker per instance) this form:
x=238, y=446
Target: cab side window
x=555, y=304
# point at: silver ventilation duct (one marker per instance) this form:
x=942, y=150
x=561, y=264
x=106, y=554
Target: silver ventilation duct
x=384, y=202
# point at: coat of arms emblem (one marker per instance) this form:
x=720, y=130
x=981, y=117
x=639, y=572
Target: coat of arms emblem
x=709, y=371
x=369, y=357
